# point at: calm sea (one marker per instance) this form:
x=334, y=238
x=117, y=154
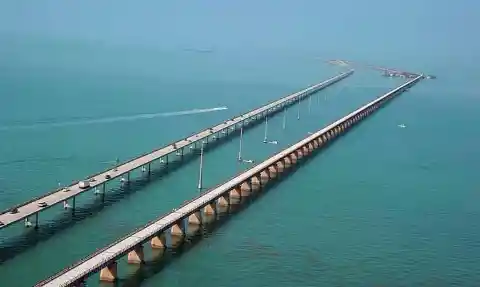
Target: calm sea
x=383, y=206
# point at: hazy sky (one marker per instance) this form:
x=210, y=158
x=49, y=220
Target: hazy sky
x=439, y=28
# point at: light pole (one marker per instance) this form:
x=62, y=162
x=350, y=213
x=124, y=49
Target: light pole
x=200, y=176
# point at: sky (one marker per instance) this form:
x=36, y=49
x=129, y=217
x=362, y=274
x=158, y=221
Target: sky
x=410, y=28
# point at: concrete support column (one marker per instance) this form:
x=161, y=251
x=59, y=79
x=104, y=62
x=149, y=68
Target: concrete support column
x=210, y=209
x=223, y=200
x=256, y=184
x=79, y=283
x=159, y=241
x=177, y=229
x=293, y=158
x=272, y=171
x=287, y=162
x=136, y=256
x=264, y=178
x=104, y=191
x=315, y=143
x=305, y=150
x=310, y=147
x=245, y=188
x=109, y=273
x=195, y=218
x=280, y=167
x=299, y=154
x=235, y=193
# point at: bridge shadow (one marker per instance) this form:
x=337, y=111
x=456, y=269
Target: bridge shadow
x=154, y=267
x=12, y=246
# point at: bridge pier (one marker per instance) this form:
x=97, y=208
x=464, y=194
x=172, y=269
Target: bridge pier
x=264, y=177
x=223, y=201
x=256, y=183
x=235, y=195
x=293, y=158
x=104, y=189
x=305, y=150
x=79, y=283
x=272, y=171
x=280, y=166
x=109, y=273
x=36, y=220
x=136, y=256
x=177, y=229
x=245, y=188
x=210, y=208
x=73, y=205
x=195, y=218
x=158, y=241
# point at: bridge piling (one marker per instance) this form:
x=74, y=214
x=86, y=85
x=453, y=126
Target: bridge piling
x=158, y=241
x=264, y=177
x=177, y=229
x=223, y=201
x=255, y=183
x=210, y=208
x=136, y=256
x=272, y=171
x=74, y=205
x=109, y=272
x=246, y=188
x=235, y=195
x=195, y=218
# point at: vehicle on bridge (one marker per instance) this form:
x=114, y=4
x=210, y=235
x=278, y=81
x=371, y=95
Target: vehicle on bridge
x=84, y=184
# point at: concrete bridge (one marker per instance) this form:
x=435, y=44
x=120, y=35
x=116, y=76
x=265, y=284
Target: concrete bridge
x=34, y=206
x=191, y=213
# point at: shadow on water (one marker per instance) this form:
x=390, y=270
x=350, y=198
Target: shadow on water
x=13, y=246
x=155, y=266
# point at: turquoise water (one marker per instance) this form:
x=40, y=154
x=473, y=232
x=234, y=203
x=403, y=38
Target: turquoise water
x=382, y=206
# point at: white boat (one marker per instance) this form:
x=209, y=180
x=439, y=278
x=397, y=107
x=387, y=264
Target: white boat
x=402, y=126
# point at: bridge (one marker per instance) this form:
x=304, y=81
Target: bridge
x=39, y=204
x=191, y=213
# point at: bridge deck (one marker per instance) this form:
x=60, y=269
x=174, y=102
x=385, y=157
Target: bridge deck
x=123, y=245
x=57, y=196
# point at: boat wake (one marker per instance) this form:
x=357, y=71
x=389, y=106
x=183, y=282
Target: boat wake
x=112, y=119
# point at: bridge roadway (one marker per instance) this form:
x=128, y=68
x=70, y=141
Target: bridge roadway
x=31, y=207
x=102, y=257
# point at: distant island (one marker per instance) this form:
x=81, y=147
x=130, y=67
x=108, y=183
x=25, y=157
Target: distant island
x=198, y=50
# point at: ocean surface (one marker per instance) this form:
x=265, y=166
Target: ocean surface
x=382, y=206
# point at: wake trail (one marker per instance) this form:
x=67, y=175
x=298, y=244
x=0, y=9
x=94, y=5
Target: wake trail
x=112, y=119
